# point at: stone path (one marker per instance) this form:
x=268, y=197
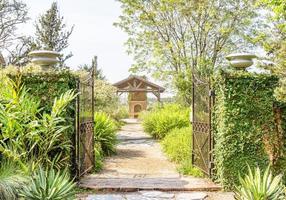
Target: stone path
x=140, y=165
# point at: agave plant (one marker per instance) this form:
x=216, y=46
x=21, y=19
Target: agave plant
x=11, y=180
x=258, y=186
x=49, y=185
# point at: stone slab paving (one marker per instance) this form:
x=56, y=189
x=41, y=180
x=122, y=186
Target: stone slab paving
x=141, y=165
x=157, y=195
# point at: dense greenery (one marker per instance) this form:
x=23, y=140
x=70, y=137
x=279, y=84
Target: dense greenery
x=248, y=125
x=37, y=124
x=27, y=134
x=258, y=186
x=178, y=146
x=160, y=120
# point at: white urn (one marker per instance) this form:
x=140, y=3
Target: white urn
x=44, y=58
x=241, y=60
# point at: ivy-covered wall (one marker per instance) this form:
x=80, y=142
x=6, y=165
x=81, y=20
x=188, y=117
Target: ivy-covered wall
x=248, y=125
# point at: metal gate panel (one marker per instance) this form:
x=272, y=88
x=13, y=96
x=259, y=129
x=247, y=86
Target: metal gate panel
x=85, y=125
x=201, y=124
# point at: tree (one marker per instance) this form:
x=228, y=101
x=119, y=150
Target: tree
x=170, y=38
x=18, y=56
x=273, y=40
x=12, y=13
x=98, y=72
x=51, y=33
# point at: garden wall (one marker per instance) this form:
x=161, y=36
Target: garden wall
x=248, y=123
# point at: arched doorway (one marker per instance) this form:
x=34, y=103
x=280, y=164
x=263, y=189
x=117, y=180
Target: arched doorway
x=137, y=110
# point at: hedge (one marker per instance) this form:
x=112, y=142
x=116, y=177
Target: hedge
x=246, y=121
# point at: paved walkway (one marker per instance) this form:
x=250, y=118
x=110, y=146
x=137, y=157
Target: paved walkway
x=140, y=165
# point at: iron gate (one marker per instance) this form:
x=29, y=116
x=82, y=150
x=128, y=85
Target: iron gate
x=85, y=125
x=203, y=99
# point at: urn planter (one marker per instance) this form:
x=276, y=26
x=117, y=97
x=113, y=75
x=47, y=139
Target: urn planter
x=241, y=60
x=44, y=58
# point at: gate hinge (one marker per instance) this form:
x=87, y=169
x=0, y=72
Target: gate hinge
x=211, y=93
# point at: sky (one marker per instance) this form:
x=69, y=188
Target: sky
x=94, y=33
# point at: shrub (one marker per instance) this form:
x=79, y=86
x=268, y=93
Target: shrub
x=49, y=185
x=160, y=121
x=98, y=157
x=11, y=180
x=186, y=168
x=27, y=134
x=178, y=146
x=104, y=132
x=120, y=113
x=256, y=186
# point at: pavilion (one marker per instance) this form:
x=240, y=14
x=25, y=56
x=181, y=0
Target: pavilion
x=138, y=87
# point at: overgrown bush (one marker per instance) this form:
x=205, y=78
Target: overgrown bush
x=178, y=146
x=104, y=132
x=159, y=121
x=27, y=133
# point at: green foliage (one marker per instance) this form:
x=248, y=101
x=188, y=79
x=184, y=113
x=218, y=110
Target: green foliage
x=178, y=146
x=159, y=121
x=29, y=134
x=120, y=113
x=272, y=39
x=11, y=180
x=50, y=185
x=258, y=186
x=104, y=132
x=245, y=122
x=170, y=37
x=186, y=168
x=98, y=157
x=106, y=99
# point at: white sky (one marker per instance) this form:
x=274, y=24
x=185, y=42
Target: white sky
x=94, y=33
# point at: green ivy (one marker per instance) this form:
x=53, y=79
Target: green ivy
x=242, y=116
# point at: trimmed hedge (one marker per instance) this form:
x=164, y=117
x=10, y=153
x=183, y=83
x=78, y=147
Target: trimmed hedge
x=245, y=125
